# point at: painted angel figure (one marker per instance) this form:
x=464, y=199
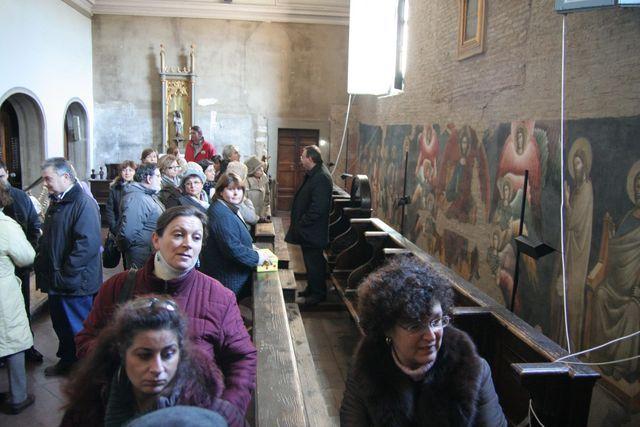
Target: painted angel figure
x=429, y=148
x=525, y=149
x=464, y=157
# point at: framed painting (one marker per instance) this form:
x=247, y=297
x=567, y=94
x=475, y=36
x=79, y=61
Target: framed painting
x=576, y=5
x=470, y=28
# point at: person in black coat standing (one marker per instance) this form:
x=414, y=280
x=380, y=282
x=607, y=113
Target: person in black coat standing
x=310, y=222
x=23, y=212
x=68, y=264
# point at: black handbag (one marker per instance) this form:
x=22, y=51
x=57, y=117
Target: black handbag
x=111, y=254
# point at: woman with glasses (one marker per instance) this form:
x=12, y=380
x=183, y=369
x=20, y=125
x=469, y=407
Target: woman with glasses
x=412, y=368
x=170, y=170
x=142, y=362
x=192, y=190
x=215, y=324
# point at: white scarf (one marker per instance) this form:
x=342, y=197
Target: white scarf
x=417, y=374
x=164, y=271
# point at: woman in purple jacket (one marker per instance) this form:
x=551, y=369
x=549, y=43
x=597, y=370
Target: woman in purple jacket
x=214, y=322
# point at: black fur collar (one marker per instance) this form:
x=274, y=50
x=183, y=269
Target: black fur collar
x=446, y=397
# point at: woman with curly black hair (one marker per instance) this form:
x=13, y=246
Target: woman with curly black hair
x=143, y=362
x=411, y=368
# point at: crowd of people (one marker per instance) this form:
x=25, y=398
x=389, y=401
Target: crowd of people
x=167, y=333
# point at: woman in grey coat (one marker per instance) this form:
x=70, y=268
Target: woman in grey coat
x=140, y=211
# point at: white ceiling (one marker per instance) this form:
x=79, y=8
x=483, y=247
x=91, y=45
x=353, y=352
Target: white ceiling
x=300, y=11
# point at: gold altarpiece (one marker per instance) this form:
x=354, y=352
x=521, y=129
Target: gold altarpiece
x=178, y=100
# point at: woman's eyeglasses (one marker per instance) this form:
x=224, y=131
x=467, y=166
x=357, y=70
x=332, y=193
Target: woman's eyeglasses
x=153, y=302
x=421, y=327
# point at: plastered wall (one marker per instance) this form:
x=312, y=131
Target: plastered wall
x=260, y=74
x=46, y=55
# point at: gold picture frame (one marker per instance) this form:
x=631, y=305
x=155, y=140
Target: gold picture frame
x=471, y=32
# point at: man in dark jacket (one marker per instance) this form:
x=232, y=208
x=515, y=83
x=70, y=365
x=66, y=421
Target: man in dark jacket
x=23, y=212
x=310, y=222
x=68, y=264
x=140, y=210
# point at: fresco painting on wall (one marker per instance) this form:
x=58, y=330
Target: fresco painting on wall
x=466, y=197
x=611, y=288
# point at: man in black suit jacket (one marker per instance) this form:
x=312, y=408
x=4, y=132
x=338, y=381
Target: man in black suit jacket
x=310, y=222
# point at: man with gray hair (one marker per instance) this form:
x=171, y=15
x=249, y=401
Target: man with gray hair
x=68, y=264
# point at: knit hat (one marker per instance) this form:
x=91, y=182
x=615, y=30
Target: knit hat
x=239, y=169
x=253, y=163
x=193, y=172
x=180, y=416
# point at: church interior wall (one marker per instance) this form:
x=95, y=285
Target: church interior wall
x=261, y=75
x=466, y=196
x=49, y=60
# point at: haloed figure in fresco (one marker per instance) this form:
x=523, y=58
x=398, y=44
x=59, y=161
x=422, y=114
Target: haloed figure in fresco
x=579, y=222
x=464, y=158
x=617, y=302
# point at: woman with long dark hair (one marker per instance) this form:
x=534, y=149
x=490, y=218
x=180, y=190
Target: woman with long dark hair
x=143, y=362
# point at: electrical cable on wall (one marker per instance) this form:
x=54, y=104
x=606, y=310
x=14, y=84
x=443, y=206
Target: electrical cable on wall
x=562, y=249
x=344, y=134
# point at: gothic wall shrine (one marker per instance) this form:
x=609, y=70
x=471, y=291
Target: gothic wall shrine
x=473, y=126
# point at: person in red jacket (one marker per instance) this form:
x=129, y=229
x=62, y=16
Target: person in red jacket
x=197, y=148
x=215, y=324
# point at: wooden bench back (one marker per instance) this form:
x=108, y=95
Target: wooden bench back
x=521, y=357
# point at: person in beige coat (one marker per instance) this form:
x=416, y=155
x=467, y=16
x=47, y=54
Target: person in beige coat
x=15, y=335
x=258, y=187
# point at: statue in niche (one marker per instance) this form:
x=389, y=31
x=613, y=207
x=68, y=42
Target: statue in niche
x=178, y=123
x=616, y=309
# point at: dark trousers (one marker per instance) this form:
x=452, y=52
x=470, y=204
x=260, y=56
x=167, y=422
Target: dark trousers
x=67, y=315
x=24, y=276
x=316, y=267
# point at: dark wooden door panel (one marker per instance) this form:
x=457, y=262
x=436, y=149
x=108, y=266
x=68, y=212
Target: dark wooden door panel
x=290, y=172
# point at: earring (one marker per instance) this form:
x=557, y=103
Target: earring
x=387, y=340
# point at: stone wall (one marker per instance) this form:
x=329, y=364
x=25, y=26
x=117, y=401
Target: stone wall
x=273, y=74
x=472, y=128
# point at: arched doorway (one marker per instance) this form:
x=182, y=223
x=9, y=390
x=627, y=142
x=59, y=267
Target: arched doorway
x=22, y=130
x=76, y=139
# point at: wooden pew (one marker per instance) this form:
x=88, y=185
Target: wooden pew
x=278, y=397
x=358, y=202
x=265, y=234
x=287, y=389
x=521, y=358
x=280, y=247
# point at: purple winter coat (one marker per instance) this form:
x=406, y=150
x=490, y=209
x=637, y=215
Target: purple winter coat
x=215, y=324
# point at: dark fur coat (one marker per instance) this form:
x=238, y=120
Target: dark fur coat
x=457, y=391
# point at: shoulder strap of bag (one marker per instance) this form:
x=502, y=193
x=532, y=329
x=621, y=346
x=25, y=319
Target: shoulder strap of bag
x=126, y=292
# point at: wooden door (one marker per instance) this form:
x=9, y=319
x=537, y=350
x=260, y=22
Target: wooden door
x=290, y=171
x=10, y=143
